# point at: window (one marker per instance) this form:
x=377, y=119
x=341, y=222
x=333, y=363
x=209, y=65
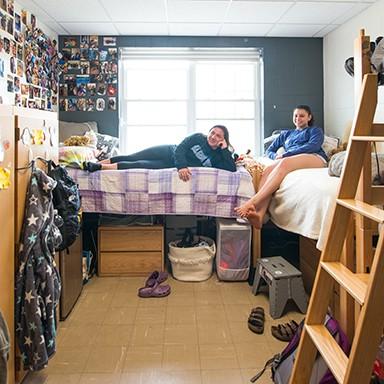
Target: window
x=167, y=97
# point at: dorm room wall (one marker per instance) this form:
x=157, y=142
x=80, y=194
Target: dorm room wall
x=339, y=92
x=293, y=74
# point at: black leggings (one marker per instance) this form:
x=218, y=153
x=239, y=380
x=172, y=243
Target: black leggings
x=157, y=157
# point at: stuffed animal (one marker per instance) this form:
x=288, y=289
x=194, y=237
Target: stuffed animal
x=75, y=141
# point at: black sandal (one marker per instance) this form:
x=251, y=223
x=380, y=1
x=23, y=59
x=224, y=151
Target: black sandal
x=284, y=332
x=256, y=320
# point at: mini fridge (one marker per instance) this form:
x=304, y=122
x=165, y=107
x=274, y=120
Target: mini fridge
x=71, y=272
x=233, y=255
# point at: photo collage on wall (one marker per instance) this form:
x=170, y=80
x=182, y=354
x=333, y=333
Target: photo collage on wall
x=89, y=75
x=28, y=59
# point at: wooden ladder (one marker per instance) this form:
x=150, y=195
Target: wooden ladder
x=367, y=289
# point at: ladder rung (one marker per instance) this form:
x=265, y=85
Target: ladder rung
x=333, y=355
x=367, y=210
x=354, y=283
x=377, y=129
x=367, y=138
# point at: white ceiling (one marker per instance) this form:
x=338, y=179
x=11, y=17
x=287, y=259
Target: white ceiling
x=278, y=18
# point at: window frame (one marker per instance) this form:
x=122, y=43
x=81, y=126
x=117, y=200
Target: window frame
x=253, y=56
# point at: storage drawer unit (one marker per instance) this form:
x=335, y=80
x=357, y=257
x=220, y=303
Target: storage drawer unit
x=130, y=251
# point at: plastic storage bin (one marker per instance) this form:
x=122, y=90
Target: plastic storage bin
x=233, y=250
x=192, y=263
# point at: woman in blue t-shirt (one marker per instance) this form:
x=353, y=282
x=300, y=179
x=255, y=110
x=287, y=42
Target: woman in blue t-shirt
x=293, y=149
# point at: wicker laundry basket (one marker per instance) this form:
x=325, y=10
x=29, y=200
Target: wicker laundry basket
x=192, y=263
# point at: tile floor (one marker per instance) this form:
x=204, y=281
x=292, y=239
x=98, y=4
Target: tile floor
x=196, y=335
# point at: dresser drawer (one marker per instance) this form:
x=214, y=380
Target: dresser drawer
x=113, y=239
x=129, y=263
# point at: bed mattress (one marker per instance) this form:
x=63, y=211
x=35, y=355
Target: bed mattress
x=210, y=192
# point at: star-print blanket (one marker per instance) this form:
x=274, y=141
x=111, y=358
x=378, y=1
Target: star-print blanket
x=37, y=280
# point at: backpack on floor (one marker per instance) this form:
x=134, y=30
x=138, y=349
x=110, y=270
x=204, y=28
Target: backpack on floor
x=282, y=363
x=66, y=199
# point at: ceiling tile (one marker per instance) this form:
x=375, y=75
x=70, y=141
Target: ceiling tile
x=315, y=12
x=33, y=8
x=135, y=10
x=193, y=29
x=233, y=29
x=355, y=10
x=196, y=11
x=142, y=28
x=74, y=10
x=90, y=28
x=294, y=30
x=56, y=27
x=257, y=11
x=328, y=28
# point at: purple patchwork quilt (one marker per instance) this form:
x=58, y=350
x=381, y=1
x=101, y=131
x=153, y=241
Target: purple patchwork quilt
x=210, y=192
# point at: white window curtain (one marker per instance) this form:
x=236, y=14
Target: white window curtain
x=168, y=93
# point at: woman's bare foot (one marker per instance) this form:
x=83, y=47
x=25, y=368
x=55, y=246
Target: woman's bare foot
x=255, y=218
x=243, y=210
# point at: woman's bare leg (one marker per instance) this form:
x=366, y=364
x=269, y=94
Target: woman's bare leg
x=105, y=161
x=275, y=177
x=243, y=209
x=105, y=166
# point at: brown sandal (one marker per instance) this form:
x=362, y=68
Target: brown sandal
x=256, y=320
x=284, y=332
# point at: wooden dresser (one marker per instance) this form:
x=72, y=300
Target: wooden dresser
x=130, y=251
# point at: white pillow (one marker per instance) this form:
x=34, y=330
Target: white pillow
x=92, y=138
x=329, y=144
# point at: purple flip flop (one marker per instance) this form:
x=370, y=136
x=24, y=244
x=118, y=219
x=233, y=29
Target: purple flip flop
x=156, y=290
x=156, y=276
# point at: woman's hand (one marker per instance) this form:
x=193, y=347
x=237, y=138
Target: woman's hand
x=184, y=174
x=222, y=144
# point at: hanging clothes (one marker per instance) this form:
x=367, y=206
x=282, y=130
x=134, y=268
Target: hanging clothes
x=4, y=349
x=37, y=281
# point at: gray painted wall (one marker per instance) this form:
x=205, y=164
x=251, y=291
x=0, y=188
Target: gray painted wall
x=293, y=74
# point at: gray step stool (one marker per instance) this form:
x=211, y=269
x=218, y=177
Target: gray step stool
x=285, y=282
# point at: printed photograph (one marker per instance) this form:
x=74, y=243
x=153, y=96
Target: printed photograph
x=112, y=53
x=112, y=103
x=33, y=21
x=109, y=41
x=111, y=90
x=93, y=41
x=70, y=42
x=24, y=89
x=101, y=89
x=9, y=83
x=16, y=84
x=24, y=16
x=11, y=7
x=81, y=105
x=103, y=55
x=84, y=41
x=17, y=22
x=84, y=54
x=100, y=104
x=93, y=54
x=91, y=89
x=84, y=67
x=90, y=105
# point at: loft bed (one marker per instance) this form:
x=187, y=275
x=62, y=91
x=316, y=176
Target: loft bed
x=210, y=192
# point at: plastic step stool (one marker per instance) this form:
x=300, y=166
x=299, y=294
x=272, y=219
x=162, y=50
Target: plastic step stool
x=285, y=282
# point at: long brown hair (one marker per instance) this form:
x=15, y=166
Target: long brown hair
x=226, y=135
